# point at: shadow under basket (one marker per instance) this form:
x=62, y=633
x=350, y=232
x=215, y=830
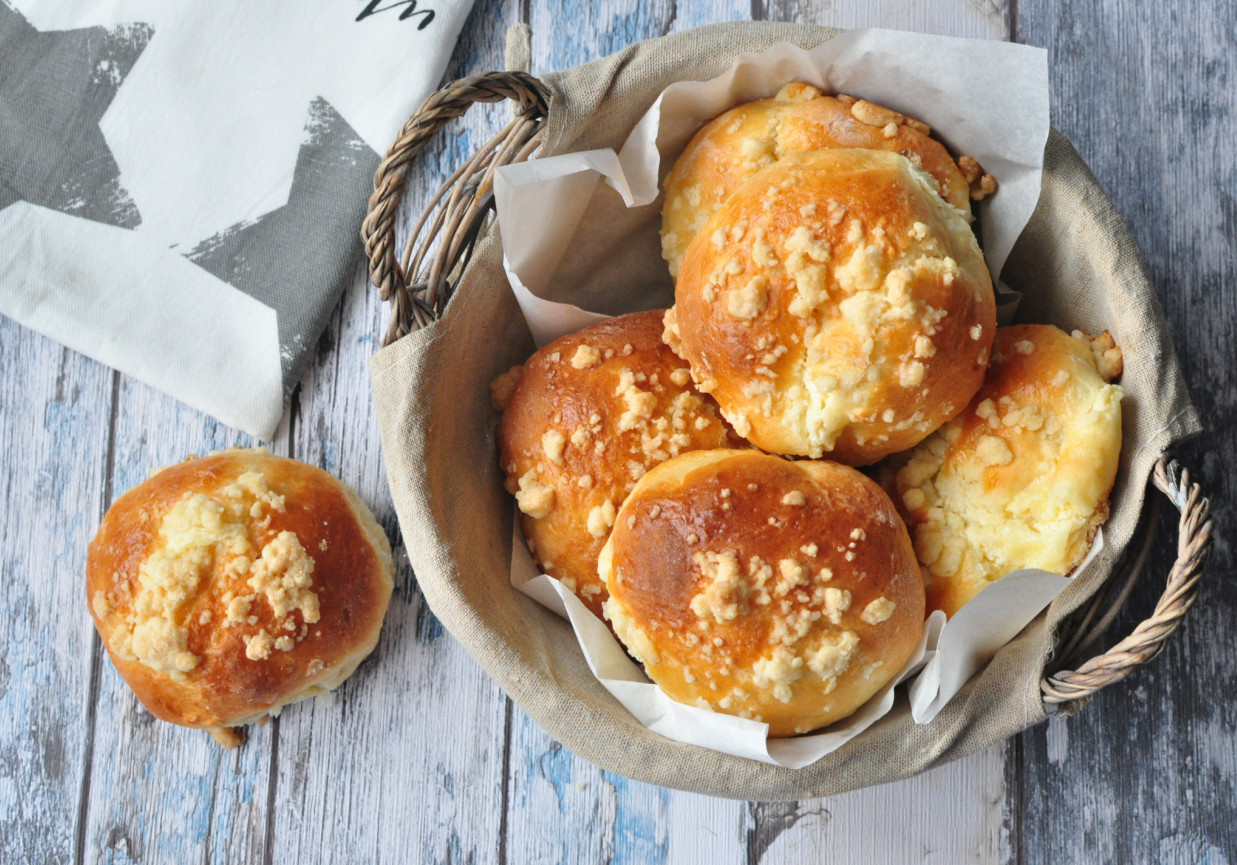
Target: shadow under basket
x=455, y=326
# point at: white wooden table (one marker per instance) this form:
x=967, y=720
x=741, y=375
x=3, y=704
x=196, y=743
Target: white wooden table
x=420, y=758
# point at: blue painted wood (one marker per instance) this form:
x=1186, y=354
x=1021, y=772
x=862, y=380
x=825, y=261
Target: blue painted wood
x=54, y=409
x=598, y=29
x=406, y=761
x=561, y=809
x=1148, y=771
x=158, y=792
x=567, y=33
x=697, y=13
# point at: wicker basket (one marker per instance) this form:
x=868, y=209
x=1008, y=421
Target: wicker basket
x=419, y=283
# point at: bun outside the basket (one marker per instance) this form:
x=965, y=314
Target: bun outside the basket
x=227, y=586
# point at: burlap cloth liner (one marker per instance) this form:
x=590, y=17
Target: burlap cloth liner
x=1077, y=267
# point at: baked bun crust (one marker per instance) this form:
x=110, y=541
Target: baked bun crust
x=735, y=145
x=1021, y=478
x=230, y=585
x=589, y=414
x=835, y=305
x=786, y=592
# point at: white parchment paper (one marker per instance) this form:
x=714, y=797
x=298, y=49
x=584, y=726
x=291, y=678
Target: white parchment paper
x=692, y=725
x=988, y=100
x=977, y=632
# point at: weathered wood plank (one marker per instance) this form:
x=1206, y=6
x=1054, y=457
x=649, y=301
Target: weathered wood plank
x=562, y=809
x=706, y=829
x=950, y=815
x=1148, y=771
x=158, y=792
x=955, y=813
x=406, y=761
x=596, y=29
x=975, y=19
x=601, y=29
x=687, y=14
x=54, y=409
x=842, y=829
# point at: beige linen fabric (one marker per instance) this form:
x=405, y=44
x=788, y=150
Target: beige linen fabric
x=1077, y=267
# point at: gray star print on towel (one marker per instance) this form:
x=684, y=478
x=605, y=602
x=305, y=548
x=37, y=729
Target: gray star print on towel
x=275, y=257
x=54, y=87
x=181, y=184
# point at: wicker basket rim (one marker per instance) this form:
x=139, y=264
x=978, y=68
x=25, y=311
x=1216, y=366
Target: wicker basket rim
x=418, y=285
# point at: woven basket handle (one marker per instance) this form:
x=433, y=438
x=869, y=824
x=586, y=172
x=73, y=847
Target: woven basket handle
x=419, y=284
x=1148, y=639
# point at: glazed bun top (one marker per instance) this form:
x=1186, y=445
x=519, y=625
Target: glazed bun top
x=587, y=416
x=835, y=305
x=1021, y=478
x=735, y=145
x=786, y=592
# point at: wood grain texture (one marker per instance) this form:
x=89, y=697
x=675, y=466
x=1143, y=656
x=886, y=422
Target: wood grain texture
x=974, y=19
x=950, y=816
x=705, y=829
x=421, y=758
x=1148, y=771
x=158, y=792
x=598, y=29
x=54, y=410
x=562, y=809
x=406, y=759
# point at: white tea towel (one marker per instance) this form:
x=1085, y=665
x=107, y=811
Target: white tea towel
x=181, y=185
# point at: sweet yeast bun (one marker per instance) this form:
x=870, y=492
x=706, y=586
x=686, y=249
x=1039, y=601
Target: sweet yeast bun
x=1021, y=478
x=781, y=591
x=835, y=305
x=735, y=145
x=589, y=414
x=228, y=586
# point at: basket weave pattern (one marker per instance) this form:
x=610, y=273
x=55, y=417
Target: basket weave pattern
x=460, y=206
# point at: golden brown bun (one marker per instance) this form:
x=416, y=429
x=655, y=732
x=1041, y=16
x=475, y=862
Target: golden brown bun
x=1021, y=478
x=835, y=305
x=733, y=146
x=589, y=414
x=781, y=591
x=230, y=585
